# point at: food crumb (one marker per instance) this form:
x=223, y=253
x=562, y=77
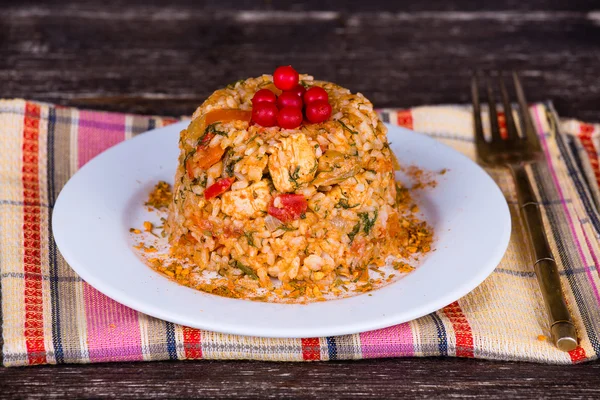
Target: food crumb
x=136, y=231
x=148, y=226
x=161, y=196
x=542, y=338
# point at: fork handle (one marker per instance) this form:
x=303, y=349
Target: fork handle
x=563, y=330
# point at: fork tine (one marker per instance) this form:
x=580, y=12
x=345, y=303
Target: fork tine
x=528, y=128
x=508, y=116
x=492, y=112
x=478, y=126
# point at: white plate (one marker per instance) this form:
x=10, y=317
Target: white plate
x=99, y=204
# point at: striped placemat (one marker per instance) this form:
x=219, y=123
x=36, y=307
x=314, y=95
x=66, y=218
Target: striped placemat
x=50, y=315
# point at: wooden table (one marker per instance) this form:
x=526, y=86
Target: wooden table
x=138, y=57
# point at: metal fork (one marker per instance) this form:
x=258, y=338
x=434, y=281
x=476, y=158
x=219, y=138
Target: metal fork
x=515, y=152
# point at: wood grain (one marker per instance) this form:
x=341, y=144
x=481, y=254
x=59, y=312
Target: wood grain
x=165, y=58
x=424, y=378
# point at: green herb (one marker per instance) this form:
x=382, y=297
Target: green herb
x=348, y=129
x=354, y=232
x=294, y=176
x=252, y=139
x=230, y=163
x=200, y=180
x=212, y=129
x=368, y=223
x=232, y=84
x=188, y=155
x=249, y=238
x=343, y=203
x=303, y=83
x=246, y=270
x=287, y=228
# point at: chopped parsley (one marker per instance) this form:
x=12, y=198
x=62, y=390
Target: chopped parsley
x=212, y=128
x=348, y=129
x=354, y=232
x=343, y=203
x=367, y=222
x=294, y=176
x=245, y=269
x=232, y=84
x=249, y=238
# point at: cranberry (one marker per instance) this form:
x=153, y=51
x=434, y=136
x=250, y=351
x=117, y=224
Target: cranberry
x=315, y=93
x=289, y=117
x=285, y=77
x=289, y=99
x=318, y=111
x=298, y=89
x=263, y=95
x=265, y=114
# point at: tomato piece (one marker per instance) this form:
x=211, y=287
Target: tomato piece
x=210, y=156
x=288, y=207
x=218, y=188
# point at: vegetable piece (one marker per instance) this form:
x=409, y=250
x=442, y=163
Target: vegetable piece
x=318, y=111
x=272, y=223
x=289, y=99
x=289, y=117
x=315, y=93
x=265, y=114
x=197, y=127
x=218, y=188
x=285, y=77
x=288, y=207
x=264, y=95
x=226, y=115
x=203, y=128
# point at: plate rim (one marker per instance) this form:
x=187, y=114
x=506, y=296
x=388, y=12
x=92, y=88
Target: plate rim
x=225, y=327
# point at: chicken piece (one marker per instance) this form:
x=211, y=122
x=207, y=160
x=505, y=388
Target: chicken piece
x=250, y=202
x=293, y=163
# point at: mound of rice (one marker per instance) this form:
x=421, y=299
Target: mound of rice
x=343, y=167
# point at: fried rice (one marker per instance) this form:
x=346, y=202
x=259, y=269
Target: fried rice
x=357, y=218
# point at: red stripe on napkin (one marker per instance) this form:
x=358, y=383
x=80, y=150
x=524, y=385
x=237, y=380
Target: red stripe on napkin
x=405, y=119
x=462, y=330
x=585, y=135
x=34, y=305
x=578, y=354
x=311, y=349
x=191, y=343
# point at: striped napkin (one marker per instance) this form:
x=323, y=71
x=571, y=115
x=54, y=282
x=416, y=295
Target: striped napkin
x=50, y=315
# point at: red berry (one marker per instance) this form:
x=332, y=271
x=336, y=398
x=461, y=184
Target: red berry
x=298, y=89
x=263, y=95
x=318, y=111
x=289, y=99
x=315, y=93
x=265, y=114
x=285, y=77
x=289, y=117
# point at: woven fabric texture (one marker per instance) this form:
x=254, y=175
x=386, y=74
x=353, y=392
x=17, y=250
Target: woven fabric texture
x=50, y=315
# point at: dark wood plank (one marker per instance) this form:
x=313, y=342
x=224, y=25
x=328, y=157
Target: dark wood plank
x=166, y=60
x=423, y=378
